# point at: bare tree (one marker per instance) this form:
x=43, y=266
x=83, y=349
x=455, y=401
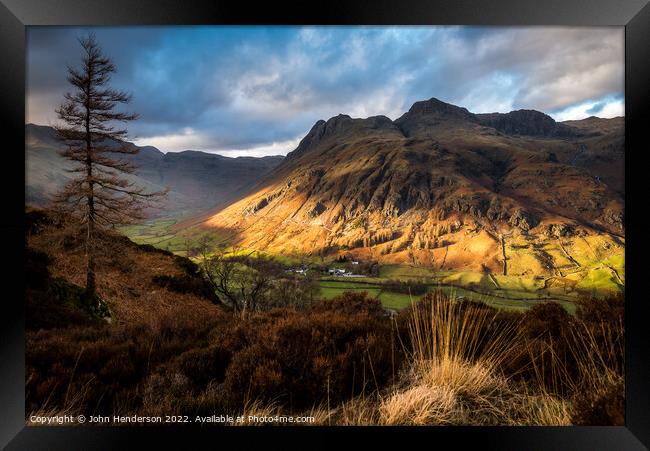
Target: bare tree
x=243, y=282
x=294, y=290
x=99, y=194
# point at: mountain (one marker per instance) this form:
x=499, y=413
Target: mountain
x=441, y=186
x=197, y=180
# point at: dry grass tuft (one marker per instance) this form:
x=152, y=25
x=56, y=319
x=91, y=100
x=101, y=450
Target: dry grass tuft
x=420, y=405
x=454, y=375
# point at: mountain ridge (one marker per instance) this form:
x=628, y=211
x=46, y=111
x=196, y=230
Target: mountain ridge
x=391, y=188
x=198, y=180
x=521, y=122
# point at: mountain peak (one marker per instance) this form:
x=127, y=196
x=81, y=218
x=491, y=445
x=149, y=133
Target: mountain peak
x=342, y=124
x=424, y=117
x=438, y=108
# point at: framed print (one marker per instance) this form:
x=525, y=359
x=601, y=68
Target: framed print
x=350, y=222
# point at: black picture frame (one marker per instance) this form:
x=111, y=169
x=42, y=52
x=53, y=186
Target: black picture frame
x=16, y=15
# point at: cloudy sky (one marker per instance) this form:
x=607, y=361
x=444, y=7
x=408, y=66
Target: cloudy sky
x=258, y=90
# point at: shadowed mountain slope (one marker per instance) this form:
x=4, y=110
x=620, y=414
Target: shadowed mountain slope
x=197, y=180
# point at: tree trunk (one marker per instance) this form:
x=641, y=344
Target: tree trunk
x=91, y=287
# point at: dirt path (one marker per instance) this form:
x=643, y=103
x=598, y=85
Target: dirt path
x=568, y=256
x=494, y=281
x=618, y=277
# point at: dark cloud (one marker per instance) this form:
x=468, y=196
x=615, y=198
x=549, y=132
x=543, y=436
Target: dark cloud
x=597, y=108
x=239, y=88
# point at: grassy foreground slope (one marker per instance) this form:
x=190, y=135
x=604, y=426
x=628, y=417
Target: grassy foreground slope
x=168, y=349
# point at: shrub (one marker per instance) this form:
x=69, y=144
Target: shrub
x=295, y=358
x=546, y=320
x=36, y=220
x=103, y=367
x=335, y=350
x=598, y=349
x=123, y=263
x=186, y=284
x=51, y=302
x=544, y=355
x=610, y=309
x=406, y=287
x=296, y=292
x=187, y=265
x=351, y=302
x=37, y=273
x=204, y=365
x=152, y=249
x=191, y=281
x=605, y=407
x=603, y=321
x=48, y=309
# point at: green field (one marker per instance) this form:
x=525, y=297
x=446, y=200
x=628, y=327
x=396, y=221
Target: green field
x=593, y=277
x=396, y=301
x=160, y=233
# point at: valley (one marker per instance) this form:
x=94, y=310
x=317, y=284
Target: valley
x=251, y=225
x=196, y=180
x=587, y=273
x=508, y=208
